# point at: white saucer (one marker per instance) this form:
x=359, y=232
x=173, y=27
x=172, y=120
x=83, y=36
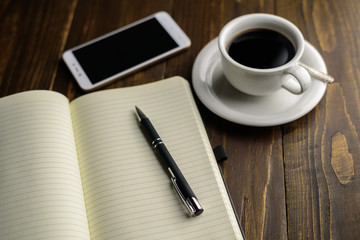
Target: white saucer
x=225, y=101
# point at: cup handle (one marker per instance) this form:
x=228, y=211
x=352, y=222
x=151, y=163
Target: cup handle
x=296, y=80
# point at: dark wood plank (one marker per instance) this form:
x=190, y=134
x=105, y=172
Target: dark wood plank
x=322, y=149
x=255, y=177
x=32, y=38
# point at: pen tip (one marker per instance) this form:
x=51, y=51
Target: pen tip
x=140, y=113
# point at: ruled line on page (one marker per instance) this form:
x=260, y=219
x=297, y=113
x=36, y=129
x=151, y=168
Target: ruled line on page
x=40, y=187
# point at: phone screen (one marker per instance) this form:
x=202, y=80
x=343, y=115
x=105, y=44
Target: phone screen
x=124, y=50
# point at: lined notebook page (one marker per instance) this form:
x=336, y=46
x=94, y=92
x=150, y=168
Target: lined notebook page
x=40, y=188
x=128, y=193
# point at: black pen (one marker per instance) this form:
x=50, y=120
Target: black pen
x=181, y=185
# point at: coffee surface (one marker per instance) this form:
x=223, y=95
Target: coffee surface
x=261, y=48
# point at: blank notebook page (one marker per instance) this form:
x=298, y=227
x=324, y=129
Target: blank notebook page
x=128, y=193
x=40, y=189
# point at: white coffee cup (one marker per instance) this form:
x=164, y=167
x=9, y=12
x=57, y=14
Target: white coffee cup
x=262, y=81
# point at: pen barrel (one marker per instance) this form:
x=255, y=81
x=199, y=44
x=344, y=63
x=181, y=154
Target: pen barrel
x=170, y=163
x=149, y=130
x=181, y=185
x=165, y=156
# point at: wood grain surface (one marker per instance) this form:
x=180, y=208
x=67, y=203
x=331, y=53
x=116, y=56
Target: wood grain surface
x=295, y=181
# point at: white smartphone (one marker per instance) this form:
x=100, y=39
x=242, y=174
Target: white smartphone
x=125, y=50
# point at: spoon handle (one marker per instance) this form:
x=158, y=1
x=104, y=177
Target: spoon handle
x=317, y=74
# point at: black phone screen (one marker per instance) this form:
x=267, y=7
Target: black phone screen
x=123, y=50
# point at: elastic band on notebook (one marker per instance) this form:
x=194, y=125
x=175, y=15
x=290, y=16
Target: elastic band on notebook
x=220, y=153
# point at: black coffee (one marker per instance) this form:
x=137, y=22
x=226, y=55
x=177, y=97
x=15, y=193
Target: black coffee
x=261, y=48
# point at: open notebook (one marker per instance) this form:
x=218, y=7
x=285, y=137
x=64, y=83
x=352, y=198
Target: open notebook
x=83, y=170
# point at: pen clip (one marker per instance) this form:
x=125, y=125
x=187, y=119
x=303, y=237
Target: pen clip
x=192, y=204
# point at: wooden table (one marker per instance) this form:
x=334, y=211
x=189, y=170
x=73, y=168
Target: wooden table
x=300, y=180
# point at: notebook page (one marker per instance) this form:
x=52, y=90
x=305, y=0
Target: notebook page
x=40, y=188
x=128, y=193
